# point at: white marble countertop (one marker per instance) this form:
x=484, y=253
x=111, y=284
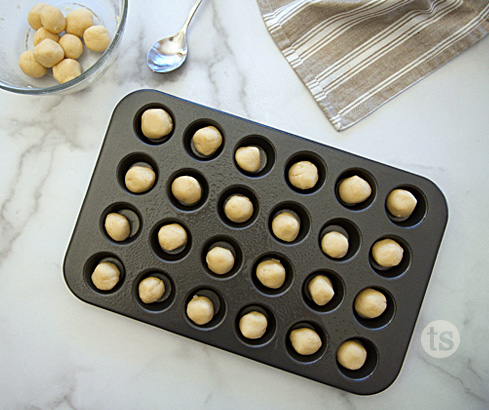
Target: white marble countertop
x=59, y=353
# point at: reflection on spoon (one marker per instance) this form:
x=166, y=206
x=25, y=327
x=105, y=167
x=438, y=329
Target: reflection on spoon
x=170, y=53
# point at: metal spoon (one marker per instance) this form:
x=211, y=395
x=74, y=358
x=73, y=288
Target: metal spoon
x=170, y=53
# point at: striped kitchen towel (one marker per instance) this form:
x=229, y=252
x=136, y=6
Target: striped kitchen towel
x=355, y=55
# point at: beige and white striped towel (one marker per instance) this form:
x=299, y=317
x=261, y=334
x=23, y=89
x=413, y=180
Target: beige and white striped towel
x=355, y=55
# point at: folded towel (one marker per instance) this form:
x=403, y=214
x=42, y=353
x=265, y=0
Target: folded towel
x=354, y=56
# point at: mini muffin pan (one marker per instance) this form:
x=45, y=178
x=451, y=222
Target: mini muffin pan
x=238, y=292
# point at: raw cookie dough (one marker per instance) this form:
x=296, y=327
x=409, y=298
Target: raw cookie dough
x=105, y=276
x=354, y=190
x=172, y=236
x=200, y=310
x=207, y=140
x=305, y=341
x=248, y=158
x=77, y=21
x=238, y=208
x=139, y=179
x=187, y=190
x=401, y=203
x=303, y=175
x=370, y=303
x=52, y=19
x=387, y=253
x=30, y=66
x=151, y=289
x=42, y=34
x=117, y=227
x=96, y=38
x=271, y=273
x=334, y=244
x=286, y=226
x=66, y=70
x=48, y=53
x=156, y=123
x=72, y=46
x=253, y=325
x=351, y=355
x=321, y=290
x=220, y=260
x=34, y=16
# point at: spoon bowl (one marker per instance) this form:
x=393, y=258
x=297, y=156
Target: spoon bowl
x=170, y=53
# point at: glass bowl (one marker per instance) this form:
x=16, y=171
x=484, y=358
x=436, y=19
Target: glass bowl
x=14, y=27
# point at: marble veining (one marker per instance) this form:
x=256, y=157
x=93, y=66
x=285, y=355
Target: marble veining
x=59, y=353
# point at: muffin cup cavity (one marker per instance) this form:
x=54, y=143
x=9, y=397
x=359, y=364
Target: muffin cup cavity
x=168, y=297
x=188, y=139
x=338, y=288
x=136, y=159
x=137, y=124
x=315, y=160
x=167, y=255
x=92, y=263
x=267, y=155
x=218, y=303
x=366, y=176
x=271, y=325
x=312, y=358
x=419, y=212
x=297, y=211
x=130, y=213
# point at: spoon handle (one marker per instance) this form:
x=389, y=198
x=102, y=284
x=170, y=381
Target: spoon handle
x=191, y=14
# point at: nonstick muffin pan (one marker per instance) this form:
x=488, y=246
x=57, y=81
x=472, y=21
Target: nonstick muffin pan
x=385, y=338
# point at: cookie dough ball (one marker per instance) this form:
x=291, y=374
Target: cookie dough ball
x=401, y=203
x=238, y=208
x=139, y=179
x=52, y=19
x=48, y=53
x=354, y=190
x=253, y=325
x=172, y=236
x=305, y=341
x=370, y=303
x=334, y=244
x=96, y=38
x=286, y=226
x=220, y=260
x=321, y=290
x=271, y=273
x=200, y=310
x=77, y=21
x=187, y=190
x=117, y=227
x=105, y=276
x=151, y=289
x=30, y=66
x=66, y=70
x=303, y=175
x=72, y=46
x=248, y=158
x=42, y=34
x=387, y=253
x=351, y=355
x=34, y=16
x=207, y=140
x=156, y=123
